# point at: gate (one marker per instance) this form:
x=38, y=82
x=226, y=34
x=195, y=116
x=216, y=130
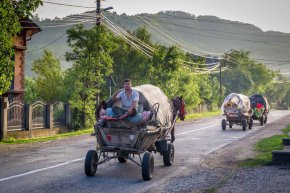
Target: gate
x=38, y=115
x=15, y=116
x=58, y=114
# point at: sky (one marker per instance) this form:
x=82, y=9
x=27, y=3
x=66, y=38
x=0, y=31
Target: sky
x=268, y=15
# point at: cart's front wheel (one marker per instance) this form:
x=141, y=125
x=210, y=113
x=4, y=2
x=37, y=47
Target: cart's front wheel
x=224, y=124
x=265, y=119
x=91, y=163
x=147, y=166
x=168, y=156
x=262, y=120
x=251, y=123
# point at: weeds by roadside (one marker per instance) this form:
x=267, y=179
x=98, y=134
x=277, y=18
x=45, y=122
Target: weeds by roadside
x=264, y=148
x=202, y=115
x=43, y=139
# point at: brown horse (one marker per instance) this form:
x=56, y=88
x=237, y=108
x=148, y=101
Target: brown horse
x=178, y=107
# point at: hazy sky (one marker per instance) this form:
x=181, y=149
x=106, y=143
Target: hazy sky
x=266, y=14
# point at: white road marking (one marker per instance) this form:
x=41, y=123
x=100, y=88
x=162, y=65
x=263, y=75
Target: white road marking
x=80, y=159
x=197, y=129
x=42, y=169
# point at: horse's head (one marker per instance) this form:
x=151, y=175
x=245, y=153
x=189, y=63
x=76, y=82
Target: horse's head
x=179, y=107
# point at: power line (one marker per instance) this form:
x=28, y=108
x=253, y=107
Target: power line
x=47, y=44
x=116, y=29
x=69, y=5
x=212, y=32
x=216, y=21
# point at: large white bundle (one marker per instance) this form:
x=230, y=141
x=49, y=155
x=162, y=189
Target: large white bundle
x=242, y=102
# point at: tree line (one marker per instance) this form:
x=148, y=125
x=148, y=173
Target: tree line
x=100, y=61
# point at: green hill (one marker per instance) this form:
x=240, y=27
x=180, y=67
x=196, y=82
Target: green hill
x=201, y=35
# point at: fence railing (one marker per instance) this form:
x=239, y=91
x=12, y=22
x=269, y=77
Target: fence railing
x=39, y=114
x=17, y=116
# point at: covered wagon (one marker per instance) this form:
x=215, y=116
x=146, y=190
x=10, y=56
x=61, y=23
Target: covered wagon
x=260, y=107
x=121, y=139
x=237, y=109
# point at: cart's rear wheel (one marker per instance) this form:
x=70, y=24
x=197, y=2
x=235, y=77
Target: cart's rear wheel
x=262, y=120
x=147, y=166
x=168, y=156
x=230, y=124
x=123, y=158
x=91, y=163
x=224, y=124
x=244, y=124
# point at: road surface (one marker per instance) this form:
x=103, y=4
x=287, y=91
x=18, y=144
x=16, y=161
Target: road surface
x=58, y=166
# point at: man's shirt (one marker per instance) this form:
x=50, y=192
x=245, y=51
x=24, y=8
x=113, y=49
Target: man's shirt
x=127, y=101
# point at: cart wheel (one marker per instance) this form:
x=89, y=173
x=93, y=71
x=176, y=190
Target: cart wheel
x=168, y=156
x=251, y=123
x=224, y=124
x=244, y=124
x=230, y=124
x=91, y=163
x=123, y=158
x=266, y=119
x=262, y=120
x=147, y=166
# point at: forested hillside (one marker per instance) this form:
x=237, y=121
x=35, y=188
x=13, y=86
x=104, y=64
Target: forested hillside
x=203, y=35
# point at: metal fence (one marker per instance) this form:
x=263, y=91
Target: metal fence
x=58, y=114
x=39, y=115
x=16, y=116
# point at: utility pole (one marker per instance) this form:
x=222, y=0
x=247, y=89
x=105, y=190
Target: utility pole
x=98, y=13
x=220, y=82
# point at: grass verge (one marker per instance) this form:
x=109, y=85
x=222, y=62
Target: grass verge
x=264, y=148
x=202, y=115
x=42, y=139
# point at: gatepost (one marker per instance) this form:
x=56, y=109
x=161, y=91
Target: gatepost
x=67, y=114
x=28, y=117
x=4, y=105
x=49, y=116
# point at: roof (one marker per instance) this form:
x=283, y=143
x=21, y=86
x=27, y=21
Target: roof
x=29, y=27
x=155, y=95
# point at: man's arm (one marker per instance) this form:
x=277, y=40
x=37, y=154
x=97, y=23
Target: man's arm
x=135, y=102
x=115, y=96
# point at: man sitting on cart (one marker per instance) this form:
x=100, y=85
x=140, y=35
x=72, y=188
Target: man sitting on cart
x=129, y=99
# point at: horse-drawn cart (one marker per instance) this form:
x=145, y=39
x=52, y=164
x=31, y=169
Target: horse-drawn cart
x=237, y=109
x=260, y=108
x=121, y=139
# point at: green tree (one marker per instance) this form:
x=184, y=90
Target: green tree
x=278, y=91
x=246, y=76
x=31, y=94
x=11, y=12
x=128, y=62
x=49, y=80
x=92, y=63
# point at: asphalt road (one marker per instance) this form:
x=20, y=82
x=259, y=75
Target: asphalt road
x=59, y=166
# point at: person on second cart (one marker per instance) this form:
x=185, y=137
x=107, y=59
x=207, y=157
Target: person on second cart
x=129, y=99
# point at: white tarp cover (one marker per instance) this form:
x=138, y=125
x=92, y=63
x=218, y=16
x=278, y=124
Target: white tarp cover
x=243, y=102
x=154, y=95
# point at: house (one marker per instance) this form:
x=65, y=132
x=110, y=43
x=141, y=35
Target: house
x=16, y=91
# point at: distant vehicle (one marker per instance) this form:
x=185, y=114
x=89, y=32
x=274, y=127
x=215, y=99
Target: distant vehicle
x=237, y=109
x=260, y=107
x=122, y=139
